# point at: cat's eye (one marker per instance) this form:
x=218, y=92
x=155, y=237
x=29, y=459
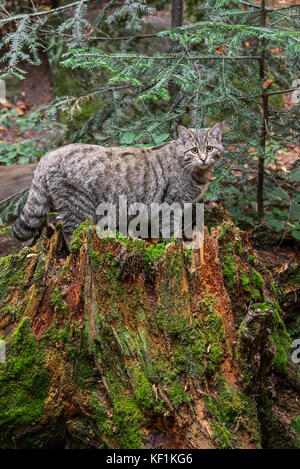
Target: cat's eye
x=209, y=148
x=194, y=150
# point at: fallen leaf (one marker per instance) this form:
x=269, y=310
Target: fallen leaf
x=21, y=104
x=219, y=49
x=267, y=83
x=276, y=50
x=251, y=150
x=282, y=268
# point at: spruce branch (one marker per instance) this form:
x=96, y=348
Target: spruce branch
x=54, y=11
x=78, y=24
x=268, y=9
x=286, y=7
x=82, y=58
x=24, y=46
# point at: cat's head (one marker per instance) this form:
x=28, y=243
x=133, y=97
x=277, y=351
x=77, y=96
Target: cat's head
x=200, y=148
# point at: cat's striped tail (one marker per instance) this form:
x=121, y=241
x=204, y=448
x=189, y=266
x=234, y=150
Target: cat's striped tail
x=34, y=213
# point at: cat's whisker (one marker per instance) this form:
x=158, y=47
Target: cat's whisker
x=191, y=164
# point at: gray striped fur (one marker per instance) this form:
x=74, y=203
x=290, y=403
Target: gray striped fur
x=73, y=180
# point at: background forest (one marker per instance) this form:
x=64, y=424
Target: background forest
x=128, y=345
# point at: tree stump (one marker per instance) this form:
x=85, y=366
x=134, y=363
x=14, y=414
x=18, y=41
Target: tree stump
x=121, y=344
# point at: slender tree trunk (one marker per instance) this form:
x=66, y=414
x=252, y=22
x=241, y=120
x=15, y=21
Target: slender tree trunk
x=176, y=20
x=177, y=13
x=263, y=133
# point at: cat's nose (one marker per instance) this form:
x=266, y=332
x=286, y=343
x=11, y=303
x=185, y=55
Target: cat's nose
x=202, y=157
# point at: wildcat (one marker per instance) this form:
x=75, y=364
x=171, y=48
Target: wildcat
x=73, y=180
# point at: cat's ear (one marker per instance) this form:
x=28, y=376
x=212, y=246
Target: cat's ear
x=216, y=131
x=184, y=133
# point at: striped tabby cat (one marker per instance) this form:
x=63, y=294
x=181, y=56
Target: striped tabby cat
x=73, y=180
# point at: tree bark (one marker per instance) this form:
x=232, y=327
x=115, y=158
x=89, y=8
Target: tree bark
x=263, y=133
x=120, y=345
x=176, y=20
x=177, y=13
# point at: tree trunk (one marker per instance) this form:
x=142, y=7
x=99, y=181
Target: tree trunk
x=124, y=345
x=265, y=117
x=176, y=20
x=177, y=13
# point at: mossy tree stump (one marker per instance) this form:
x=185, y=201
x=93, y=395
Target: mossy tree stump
x=120, y=345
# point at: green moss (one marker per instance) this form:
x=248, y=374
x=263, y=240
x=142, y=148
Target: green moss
x=97, y=260
x=173, y=306
x=73, y=337
x=227, y=261
x=251, y=259
x=231, y=412
x=274, y=288
x=76, y=241
x=222, y=435
x=188, y=255
x=239, y=246
x=57, y=300
x=296, y=425
x=38, y=274
x=252, y=284
x=5, y=231
x=257, y=279
x=155, y=251
x=225, y=229
x=4, y=262
x=229, y=272
x=273, y=429
x=245, y=281
x=177, y=394
x=230, y=248
x=100, y=412
x=127, y=417
x=143, y=389
x=9, y=310
x=23, y=383
x=282, y=341
x=279, y=335
x=197, y=348
x=231, y=236
x=12, y=273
